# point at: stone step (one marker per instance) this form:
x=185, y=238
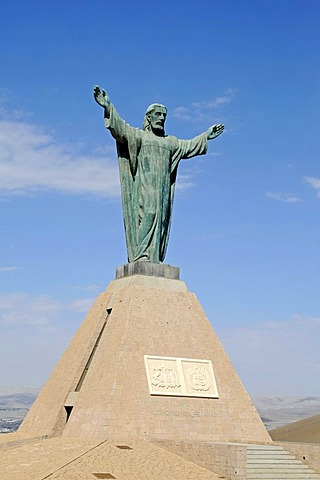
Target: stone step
x=278, y=466
x=275, y=463
x=262, y=459
x=267, y=448
x=280, y=476
x=295, y=469
x=268, y=453
x=274, y=455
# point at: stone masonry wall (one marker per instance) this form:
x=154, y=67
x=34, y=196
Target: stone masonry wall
x=226, y=460
x=308, y=453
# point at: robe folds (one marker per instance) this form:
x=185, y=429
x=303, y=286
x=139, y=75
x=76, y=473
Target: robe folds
x=148, y=169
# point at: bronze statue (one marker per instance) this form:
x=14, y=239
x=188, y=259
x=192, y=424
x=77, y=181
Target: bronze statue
x=148, y=163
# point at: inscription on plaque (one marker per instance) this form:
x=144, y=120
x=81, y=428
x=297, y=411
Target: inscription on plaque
x=165, y=377
x=180, y=377
x=199, y=379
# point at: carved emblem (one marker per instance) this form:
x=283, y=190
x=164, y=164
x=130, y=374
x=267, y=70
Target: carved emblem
x=199, y=379
x=165, y=377
x=182, y=377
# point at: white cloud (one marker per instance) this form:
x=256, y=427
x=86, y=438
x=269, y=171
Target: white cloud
x=314, y=182
x=89, y=288
x=23, y=309
x=218, y=101
x=204, y=111
x=80, y=304
x=306, y=320
x=277, y=357
x=32, y=160
x=5, y=95
x=184, y=182
x=35, y=330
x=283, y=197
x=182, y=113
x=9, y=269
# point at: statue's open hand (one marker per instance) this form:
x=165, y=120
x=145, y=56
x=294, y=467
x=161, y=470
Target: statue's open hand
x=101, y=97
x=215, y=131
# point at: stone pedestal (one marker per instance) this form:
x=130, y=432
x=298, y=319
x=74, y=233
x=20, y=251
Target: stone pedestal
x=149, y=269
x=102, y=388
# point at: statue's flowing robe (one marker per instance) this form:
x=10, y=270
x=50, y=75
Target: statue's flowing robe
x=148, y=168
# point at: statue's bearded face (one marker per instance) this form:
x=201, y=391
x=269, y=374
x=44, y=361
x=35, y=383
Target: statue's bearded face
x=157, y=119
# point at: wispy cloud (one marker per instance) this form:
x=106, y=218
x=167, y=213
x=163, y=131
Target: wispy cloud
x=314, y=182
x=182, y=113
x=271, y=357
x=306, y=320
x=9, y=269
x=283, y=197
x=33, y=160
x=218, y=101
x=5, y=95
x=23, y=309
x=80, y=304
x=185, y=182
x=35, y=330
x=204, y=111
x=89, y=288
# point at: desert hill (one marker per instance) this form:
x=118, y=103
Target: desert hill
x=275, y=411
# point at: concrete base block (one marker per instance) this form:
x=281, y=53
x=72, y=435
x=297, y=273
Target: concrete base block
x=149, y=269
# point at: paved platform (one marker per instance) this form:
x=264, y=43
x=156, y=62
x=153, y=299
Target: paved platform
x=74, y=459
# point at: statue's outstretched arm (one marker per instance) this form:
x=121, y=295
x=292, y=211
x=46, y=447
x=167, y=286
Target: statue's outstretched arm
x=215, y=131
x=102, y=99
x=118, y=128
x=198, y=145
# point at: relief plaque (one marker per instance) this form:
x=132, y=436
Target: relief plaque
x=164, y=378
x=184, y=377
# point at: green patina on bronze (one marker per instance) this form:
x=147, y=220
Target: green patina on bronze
x=148, y=163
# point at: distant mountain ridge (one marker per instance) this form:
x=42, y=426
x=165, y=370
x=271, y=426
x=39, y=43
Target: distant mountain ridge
x=14, y=405
x=275, y=411
x=19, y=390
x=17, y=400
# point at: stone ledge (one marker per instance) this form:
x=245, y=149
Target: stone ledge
x=149, y=269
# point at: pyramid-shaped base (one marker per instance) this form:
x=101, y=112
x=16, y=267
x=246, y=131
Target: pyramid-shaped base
x=100, y=389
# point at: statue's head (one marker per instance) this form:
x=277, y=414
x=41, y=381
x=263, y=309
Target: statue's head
x=155, y=118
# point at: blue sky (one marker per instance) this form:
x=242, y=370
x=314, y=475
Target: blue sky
x=245, y=229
